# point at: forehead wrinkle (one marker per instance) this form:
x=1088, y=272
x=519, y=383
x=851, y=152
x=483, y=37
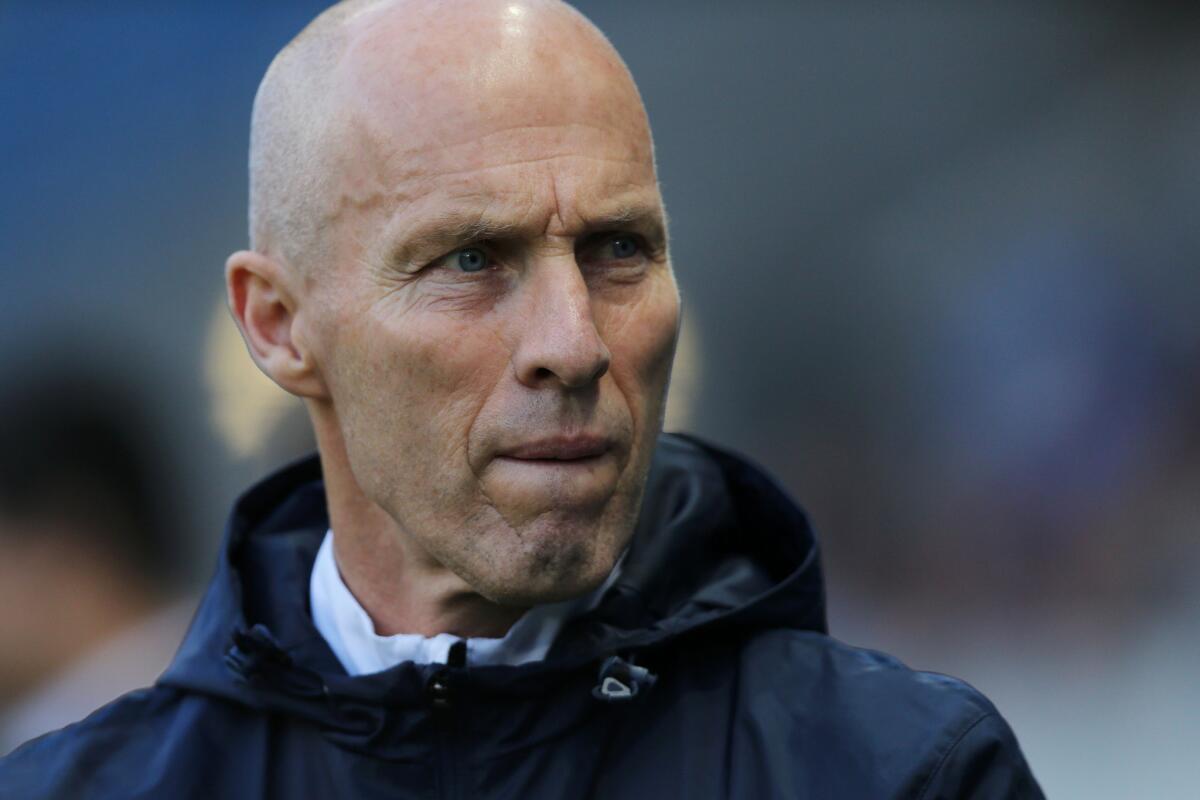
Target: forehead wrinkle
x=372, y=151
x=424, y=162
x=532, y=161
x=459, y=226
x=563, y=138
x=428, y=211
x=454, y=220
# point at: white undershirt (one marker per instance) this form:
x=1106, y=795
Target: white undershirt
x=348, y=629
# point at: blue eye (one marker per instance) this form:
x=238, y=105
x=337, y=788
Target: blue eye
x=624, y=247
x=471, y=259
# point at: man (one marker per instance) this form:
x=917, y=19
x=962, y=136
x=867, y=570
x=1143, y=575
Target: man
x=484, y=588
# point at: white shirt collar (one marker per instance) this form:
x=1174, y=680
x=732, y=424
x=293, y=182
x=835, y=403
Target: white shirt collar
x=348, y=629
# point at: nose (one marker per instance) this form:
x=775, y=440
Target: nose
x=559, y=344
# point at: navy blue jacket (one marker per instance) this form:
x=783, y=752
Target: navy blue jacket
x=705, y=672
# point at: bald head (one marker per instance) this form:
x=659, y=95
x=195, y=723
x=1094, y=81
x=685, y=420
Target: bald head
x=370, y=82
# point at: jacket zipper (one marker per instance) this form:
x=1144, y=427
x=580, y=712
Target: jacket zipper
x=444, y=695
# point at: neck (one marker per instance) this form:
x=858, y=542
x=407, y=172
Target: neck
x=400, y=586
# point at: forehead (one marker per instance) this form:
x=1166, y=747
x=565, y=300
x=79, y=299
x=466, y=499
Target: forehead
x=489, y=112
x=474, y=54
x=525, y=184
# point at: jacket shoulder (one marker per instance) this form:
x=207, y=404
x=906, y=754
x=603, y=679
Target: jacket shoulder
x=815, y=661
x=120, y=750
x=920, y=734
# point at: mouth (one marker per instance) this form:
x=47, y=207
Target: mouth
x=568, y=473
x=560, y=449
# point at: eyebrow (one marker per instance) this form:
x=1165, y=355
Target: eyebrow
x=447, y=231
x=648, y=220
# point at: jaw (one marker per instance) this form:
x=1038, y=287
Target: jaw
x=546, y=558
x=479, y=584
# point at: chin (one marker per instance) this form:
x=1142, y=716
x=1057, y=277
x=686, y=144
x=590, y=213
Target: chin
x=549, y=565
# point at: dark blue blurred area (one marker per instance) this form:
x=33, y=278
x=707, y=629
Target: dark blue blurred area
x=124, y=164
x=939, y=264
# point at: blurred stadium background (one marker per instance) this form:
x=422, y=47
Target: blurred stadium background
x=941, y=272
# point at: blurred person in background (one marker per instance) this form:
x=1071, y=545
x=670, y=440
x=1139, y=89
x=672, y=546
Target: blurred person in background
x=87, y=562
x=459, y=260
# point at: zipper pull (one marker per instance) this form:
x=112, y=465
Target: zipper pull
x=620, y=680
x=439, y=689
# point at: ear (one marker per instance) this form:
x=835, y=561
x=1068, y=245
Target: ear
x=266, y=313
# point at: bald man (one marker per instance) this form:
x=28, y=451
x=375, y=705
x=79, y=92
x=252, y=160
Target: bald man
x=497, y=579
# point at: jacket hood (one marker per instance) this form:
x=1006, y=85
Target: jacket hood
x=719, y=550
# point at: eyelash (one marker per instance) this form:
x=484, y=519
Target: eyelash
x=610, y=238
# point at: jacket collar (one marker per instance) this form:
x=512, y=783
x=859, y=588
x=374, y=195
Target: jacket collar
x=719, y=549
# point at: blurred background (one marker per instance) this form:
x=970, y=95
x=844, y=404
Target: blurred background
x=940, y=271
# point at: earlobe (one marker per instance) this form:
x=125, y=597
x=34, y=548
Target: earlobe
x=265, y=311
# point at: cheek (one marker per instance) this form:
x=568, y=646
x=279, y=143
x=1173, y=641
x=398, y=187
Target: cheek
x=407, y=393
x=641, y=337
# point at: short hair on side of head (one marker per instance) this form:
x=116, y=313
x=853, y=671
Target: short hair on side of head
x=291, y=166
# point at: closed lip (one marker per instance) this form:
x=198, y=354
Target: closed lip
x=559, y=448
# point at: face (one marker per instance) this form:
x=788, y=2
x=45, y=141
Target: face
x=497, y=327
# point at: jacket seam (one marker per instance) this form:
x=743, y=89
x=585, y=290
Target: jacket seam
x=734, y=707
x=950, y=751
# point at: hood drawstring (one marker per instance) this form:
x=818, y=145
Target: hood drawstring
x=621, y=680
x=256, y=655
x=255, y=652
x=257, y=658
